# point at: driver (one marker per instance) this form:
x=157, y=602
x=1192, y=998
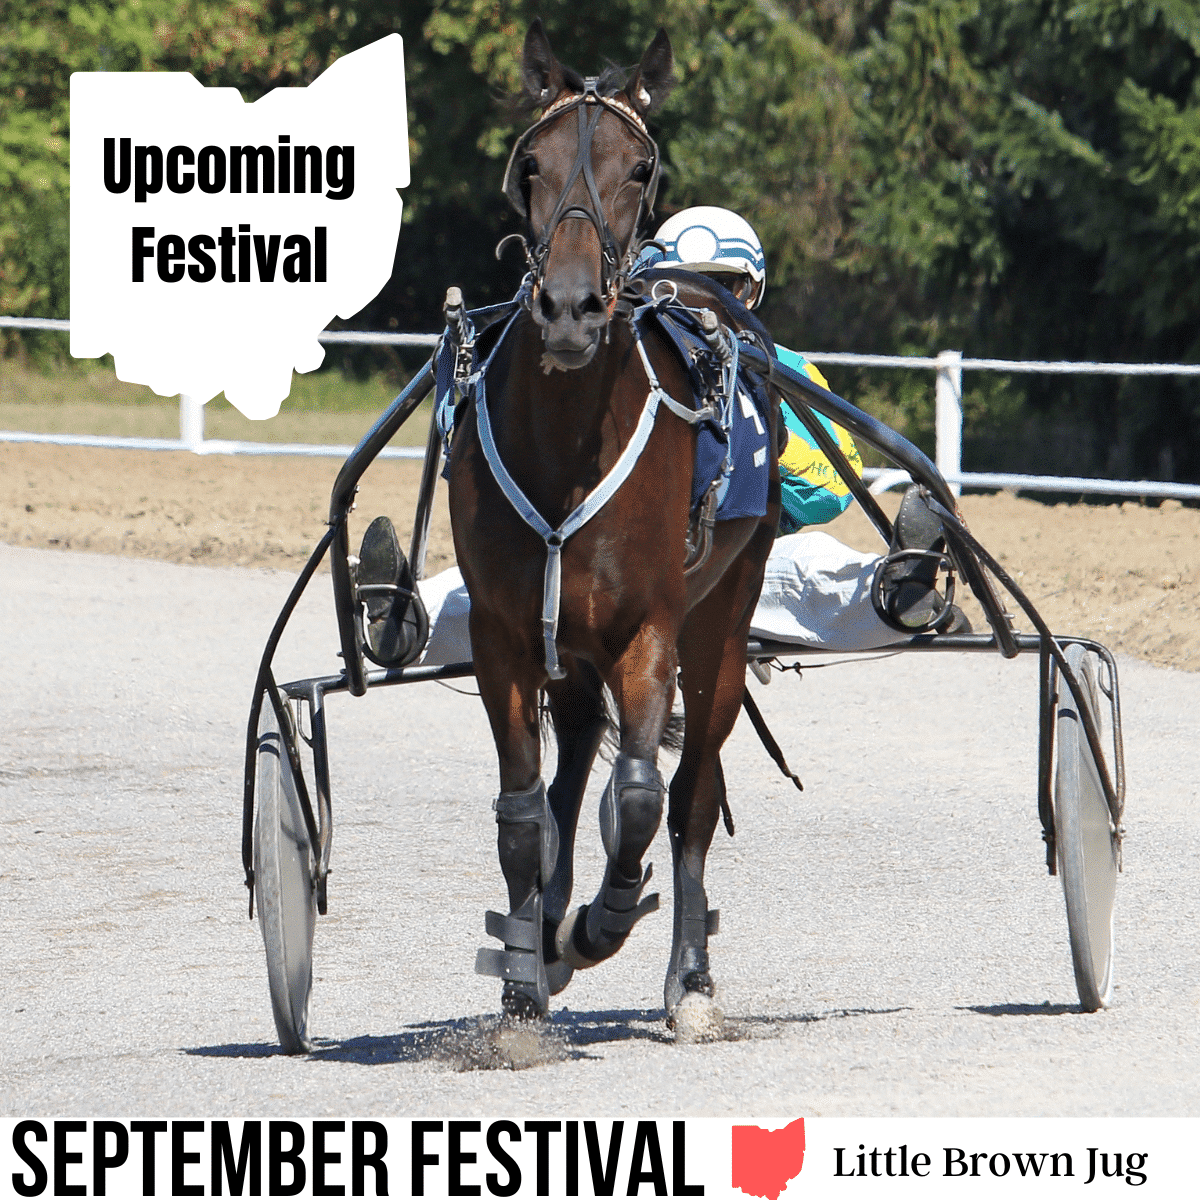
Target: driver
x=722, y=245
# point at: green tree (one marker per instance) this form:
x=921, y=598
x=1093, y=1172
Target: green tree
x=774, y=140
x=1015, y=178
x=42, y=42
x=1030, y=175
x=760, y=120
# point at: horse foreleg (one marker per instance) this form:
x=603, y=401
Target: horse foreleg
x=642, y=681
x=712, y=652
x=526, y=831
x=698, y=793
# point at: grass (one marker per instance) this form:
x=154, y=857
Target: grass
x=324, y=407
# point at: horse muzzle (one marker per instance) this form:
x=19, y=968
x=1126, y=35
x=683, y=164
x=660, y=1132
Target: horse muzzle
x=571, y=321
x=568, y=360
x=571, y=344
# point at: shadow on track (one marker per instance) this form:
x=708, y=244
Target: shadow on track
x=494, y=1043
x=1045, y=1009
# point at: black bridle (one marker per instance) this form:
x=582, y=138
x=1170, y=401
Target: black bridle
x=590, y=105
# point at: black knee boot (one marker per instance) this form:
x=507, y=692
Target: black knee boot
x=630, y=810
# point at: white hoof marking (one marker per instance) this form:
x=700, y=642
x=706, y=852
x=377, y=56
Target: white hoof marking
x=698, y=1019
x=564, y=941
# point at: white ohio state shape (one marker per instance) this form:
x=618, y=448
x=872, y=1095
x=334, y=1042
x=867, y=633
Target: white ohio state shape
x=242, y=337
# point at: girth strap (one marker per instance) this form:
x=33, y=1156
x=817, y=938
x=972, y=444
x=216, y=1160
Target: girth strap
x=521, y=934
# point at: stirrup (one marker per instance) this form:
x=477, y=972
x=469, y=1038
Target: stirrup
x=396, y=626
x=904, y=589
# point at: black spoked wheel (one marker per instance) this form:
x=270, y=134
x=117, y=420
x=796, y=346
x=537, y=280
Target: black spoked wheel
x=284, y=870
x=1086, y=839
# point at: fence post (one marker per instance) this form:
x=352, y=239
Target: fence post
x=948, y=417
x=191, y=423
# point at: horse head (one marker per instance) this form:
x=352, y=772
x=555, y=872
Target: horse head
x=584, y=176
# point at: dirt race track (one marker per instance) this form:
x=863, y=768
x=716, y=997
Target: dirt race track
x=890, y=942
x=1128, y=575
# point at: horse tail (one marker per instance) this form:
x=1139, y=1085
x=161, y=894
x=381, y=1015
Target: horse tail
x=672, y=738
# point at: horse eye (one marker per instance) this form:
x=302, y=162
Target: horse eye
x=641, y=173
x=529, y=168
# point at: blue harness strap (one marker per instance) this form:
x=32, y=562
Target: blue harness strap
x=591, y=504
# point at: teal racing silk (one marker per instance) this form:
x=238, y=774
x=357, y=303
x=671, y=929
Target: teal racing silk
x=813, y=492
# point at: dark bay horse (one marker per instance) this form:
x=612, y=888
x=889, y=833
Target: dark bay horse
x=560, y=606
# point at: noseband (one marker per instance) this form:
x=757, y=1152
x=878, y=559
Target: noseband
x=590, y=106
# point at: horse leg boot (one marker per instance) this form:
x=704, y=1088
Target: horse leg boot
x=695, y=923
x=630, y=811
x=688, y=972
x=527, y=841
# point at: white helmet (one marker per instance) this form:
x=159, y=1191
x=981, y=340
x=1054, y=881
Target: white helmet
x=715, y=241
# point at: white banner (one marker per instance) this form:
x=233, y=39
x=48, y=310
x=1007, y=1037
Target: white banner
x=556, y=1157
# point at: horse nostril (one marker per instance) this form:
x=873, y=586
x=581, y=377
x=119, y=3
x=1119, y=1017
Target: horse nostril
x=550, y=309
x=591, y=305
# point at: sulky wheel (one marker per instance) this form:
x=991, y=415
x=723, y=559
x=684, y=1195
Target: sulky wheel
x=1086, y=839
x=283, y=885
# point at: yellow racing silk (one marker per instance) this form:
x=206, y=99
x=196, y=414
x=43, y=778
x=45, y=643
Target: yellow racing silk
x=813, y=492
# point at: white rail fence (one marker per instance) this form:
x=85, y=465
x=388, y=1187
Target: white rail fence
x=948, y=365
x=191, y=410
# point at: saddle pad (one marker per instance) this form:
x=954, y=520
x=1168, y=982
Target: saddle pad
x=743, y=490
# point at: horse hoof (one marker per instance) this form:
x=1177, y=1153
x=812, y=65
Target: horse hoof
x=520, y=1005
x=696, y=1018
x=676, y=988
x=558, y=975
x=564, y=941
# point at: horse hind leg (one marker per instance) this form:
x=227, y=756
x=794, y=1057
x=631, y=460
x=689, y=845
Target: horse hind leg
x=630, y=811
x=527, y=843
x=694, y=923
x=578, y=713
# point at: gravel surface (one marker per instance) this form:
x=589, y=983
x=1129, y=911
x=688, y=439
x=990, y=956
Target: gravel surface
x=890, y=942
x=1128, y=574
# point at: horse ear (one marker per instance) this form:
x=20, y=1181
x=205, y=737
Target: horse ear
x=542, y=74
x=655, y=76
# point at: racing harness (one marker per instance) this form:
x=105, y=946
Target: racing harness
x=708, y=350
